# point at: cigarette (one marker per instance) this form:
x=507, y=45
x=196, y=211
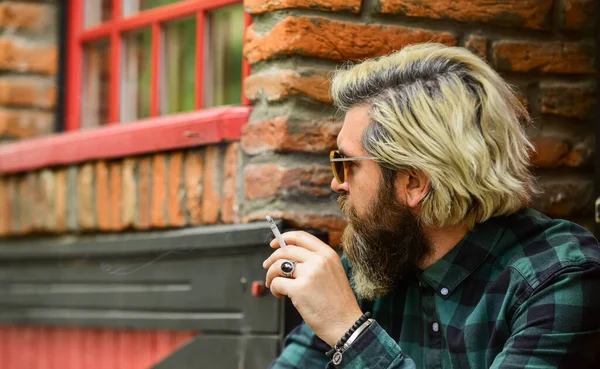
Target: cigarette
x=275, y=231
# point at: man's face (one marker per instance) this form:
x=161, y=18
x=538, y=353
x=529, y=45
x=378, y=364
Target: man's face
x=362, y=176
x=383, y=237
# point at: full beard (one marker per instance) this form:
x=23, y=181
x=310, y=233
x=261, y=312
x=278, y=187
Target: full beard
x=383, y=245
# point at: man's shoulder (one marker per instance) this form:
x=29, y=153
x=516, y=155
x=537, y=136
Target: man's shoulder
x=540, y=247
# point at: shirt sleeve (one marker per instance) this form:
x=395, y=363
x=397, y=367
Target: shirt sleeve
x=302, y=349
x=374, y=349
x=558, y=325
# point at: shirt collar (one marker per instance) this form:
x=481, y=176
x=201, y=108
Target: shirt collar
x=448, y=272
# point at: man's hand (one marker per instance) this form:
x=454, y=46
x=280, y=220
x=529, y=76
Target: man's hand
x=319, y=288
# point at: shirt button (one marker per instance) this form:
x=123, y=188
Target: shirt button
x=435, y=326
x=444, y=291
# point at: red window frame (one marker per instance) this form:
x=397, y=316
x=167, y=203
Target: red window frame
x=157, y=133
x=114, y=30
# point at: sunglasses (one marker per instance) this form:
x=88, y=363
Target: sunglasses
x=339, y=164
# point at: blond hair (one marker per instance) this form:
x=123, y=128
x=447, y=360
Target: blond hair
x=444, y=111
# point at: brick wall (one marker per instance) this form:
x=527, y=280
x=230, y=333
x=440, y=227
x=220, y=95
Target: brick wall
x=28, y=67
x=543, y=47
x=159, y=191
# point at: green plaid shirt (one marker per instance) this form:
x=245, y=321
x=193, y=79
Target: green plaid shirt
x=521, y=291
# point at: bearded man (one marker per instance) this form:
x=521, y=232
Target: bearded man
x=440, y=249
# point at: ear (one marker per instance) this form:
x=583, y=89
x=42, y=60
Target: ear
x=411, y=187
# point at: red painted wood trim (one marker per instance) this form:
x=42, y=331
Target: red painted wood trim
x=148, y=17
x=114, y=105
x=97, y=32
x=200, y=45
x=170, y=132
x=74, y=66
x=171, y=12
x=115, y=78
x=156, y=71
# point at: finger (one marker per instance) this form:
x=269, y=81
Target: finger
x=305, y=240
x=295, y=253
x=275, y=271
x=281, y=286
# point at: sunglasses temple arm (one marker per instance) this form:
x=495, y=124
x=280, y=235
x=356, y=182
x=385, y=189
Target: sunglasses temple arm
x=349, y=159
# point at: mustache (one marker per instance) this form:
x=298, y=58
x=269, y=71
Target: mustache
x=345, y=207
x=342, y=198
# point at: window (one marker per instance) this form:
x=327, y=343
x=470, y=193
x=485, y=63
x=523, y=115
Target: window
x=130, y=60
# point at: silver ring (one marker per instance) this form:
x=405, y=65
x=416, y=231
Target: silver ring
x=288, y=267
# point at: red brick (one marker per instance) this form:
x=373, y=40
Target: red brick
x=578, y=14
x=5, y=210
x=335, y=40
x=159, y=192
x=15, y=56
x=265, y=6
x=262, y=181
x=48, y=184
x=37, y=203
x=22, y=213
x=144, y=192
x=212, y=196
x=478, y=45
x=128, y=193
x=85, y=197
x=573, y=100
x=581, y=153
x=277, y=85
x=335, y=237
x=548, y=151
x=230, y=210
x=102, y=196
x=281, y=135
x=566, y=197
x=23, y=123
x=555, y=151
x=549, y=57
x=12, y=189
x=60, y=200
x=176, y=217
x=72, y=198
x=523, y=13
x=26, y=189
x=332, y=223
x=25, y=16
x=115, y=203
x=194, y=181
x=28, y=92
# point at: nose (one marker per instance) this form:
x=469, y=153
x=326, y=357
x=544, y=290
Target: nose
x=337, y=187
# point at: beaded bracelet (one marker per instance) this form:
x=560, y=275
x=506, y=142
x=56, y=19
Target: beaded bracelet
x=338, y=347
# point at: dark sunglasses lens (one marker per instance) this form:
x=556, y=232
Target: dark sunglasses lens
x=338, y=167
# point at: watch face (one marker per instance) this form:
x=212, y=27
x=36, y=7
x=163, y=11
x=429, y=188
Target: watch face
x=337, y=358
